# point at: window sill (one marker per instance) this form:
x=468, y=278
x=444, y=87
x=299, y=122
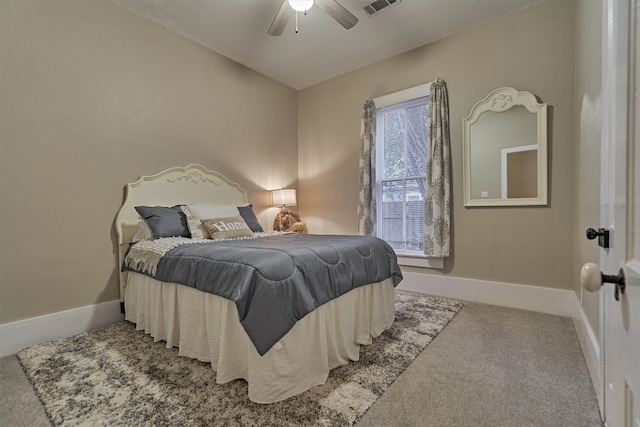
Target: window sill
x=416, y=259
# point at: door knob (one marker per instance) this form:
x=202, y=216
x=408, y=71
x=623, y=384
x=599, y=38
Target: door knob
x=601, y=233
x=592, y=279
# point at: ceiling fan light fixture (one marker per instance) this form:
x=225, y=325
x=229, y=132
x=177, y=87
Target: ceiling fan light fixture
x=300, y=5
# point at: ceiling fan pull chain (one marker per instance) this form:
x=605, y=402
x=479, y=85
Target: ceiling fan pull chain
x=305, y=14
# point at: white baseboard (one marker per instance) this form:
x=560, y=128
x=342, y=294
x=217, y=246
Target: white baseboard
x=533, y=298
x=17, y=335
x=590, y=348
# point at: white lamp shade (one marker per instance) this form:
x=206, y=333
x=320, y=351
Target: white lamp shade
x=284, y=197
x=300, y=5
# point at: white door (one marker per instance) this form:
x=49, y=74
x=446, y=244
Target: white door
x=620, y=213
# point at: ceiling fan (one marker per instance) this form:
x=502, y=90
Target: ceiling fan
x=331, y=7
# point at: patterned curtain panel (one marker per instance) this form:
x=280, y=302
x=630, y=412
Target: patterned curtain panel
x=437, y=215
x=367, y=197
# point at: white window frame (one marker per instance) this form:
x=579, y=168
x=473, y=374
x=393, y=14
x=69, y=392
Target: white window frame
x=409, y=258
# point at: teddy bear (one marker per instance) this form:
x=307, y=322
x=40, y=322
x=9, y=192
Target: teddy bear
x=288, y=220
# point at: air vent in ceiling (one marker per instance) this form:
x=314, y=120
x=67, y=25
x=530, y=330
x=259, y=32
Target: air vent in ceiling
x=379, y=5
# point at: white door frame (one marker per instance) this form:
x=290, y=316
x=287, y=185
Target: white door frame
x=614, y=68
x=618, y=349
x=504, y=166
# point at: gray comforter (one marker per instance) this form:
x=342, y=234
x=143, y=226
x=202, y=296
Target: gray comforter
x=275, y=281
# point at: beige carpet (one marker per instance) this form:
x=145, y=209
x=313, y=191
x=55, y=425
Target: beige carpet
x=119, y=376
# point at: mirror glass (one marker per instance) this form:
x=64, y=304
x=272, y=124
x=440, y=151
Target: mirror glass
x=505, y=150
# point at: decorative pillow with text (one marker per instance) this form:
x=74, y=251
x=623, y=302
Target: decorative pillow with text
x=196, y=213
x=227, y=228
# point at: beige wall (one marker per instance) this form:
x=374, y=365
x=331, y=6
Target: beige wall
x=532, y=50
x=92, y=97
x=588, y=133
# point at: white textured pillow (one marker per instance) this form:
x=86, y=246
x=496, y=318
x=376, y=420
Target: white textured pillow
x=195, y=213
x=143, y=233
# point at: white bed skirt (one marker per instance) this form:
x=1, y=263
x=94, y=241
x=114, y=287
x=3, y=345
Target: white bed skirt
x=206, y=327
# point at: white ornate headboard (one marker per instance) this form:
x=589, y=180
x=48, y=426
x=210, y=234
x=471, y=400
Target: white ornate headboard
x=175, y=186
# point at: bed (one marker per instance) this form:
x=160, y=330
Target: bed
x=230, y=312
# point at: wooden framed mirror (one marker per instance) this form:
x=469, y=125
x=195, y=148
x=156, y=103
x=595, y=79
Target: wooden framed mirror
x=505, y=150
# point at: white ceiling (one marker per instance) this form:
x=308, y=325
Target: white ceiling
x=322, y=49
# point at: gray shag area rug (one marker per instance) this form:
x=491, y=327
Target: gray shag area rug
x=118, y=376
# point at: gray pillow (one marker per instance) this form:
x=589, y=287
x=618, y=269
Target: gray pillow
x=165, y=222
x=249, y=216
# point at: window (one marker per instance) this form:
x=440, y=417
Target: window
x=401, y=168
x=402, y=130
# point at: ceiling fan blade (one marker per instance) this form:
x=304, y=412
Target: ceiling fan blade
x=338, y=12
x=281, y=19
